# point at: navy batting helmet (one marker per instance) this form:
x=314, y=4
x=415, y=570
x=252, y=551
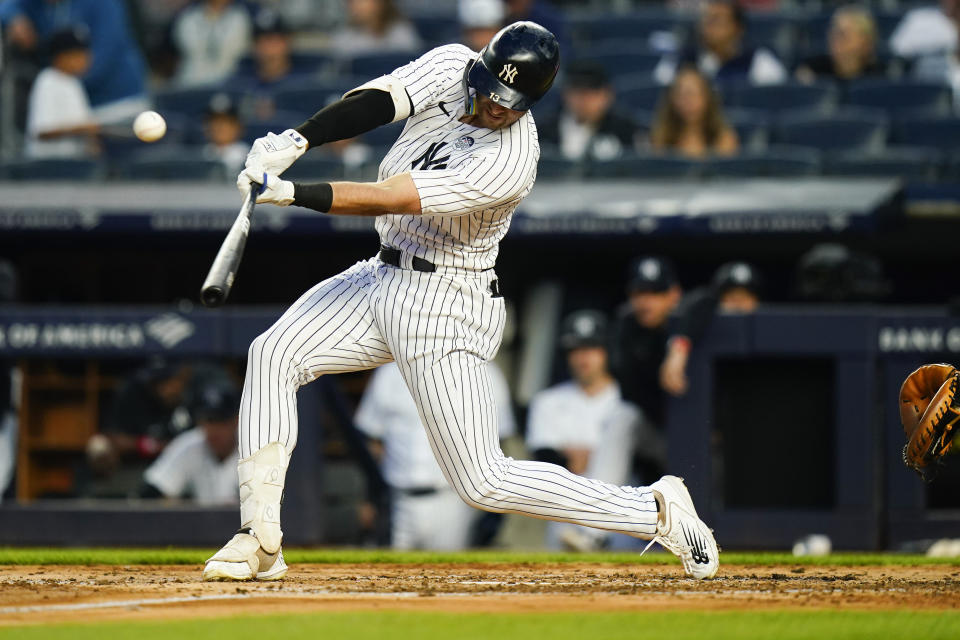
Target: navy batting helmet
x=516, y=68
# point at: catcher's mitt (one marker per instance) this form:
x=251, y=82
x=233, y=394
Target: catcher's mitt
x=930, y=413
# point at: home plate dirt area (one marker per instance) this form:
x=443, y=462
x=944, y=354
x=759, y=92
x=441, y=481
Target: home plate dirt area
x=45, y=594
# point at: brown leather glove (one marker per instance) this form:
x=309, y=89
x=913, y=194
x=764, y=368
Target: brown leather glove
x=930, y=413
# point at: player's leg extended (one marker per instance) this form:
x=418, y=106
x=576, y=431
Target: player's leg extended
x=329, y=329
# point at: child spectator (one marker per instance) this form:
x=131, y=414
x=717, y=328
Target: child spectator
x=211, y=37
x=589, y=125
x=852, y=44
x=60, y=120
x=224, y=131
x=690, y=121
x=376, y=26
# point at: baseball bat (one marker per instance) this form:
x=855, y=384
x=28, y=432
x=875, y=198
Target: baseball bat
x=223, y=272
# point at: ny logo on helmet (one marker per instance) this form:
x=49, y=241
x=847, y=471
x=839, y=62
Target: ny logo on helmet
x=508, y=73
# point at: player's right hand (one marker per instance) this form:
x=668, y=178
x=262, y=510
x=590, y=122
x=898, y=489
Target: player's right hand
x=275, y=152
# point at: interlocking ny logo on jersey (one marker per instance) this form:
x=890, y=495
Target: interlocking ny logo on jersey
x=508, y=73
x=429, y=159
x=697, y=549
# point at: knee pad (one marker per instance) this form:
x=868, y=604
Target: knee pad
x=261, y=491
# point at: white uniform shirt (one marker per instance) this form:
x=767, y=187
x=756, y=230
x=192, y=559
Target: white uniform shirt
x=563, y=416
x=57, y=101
x=387, y=413
x=469, y=179
x=211, y=45
x=187, y=466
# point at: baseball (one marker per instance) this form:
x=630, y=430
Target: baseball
x=149, y=126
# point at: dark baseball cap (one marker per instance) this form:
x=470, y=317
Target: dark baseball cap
x=586, y=328
x=74, y=38
x=651, y=274
x=268, y=21
x=216, y=402
x=586, y=74
x=737, y=274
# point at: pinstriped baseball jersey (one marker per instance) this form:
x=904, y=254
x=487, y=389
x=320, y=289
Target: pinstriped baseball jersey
x=469, y=179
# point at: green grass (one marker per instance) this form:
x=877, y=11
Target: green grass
x=397, y=625
x=82, y=556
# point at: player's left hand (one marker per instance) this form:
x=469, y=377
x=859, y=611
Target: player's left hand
x=269, y=188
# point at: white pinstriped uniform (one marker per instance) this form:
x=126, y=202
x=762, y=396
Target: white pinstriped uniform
x=440, y=327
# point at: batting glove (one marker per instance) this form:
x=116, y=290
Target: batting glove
x=269, y=188
x=274, y=153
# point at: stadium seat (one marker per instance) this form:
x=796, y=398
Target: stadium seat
x=940, y=133
x=774, y=162
x=591, y=28
x=173, y=168
x=752, y=128
x=308, y=99
x=316, y=168
x=909, y=163
x=772, y=30
x=859, y=130
x=785, y=97
x=900, y=96
x=301, y=63
x=384, y=136
x=53, y=169
x=437, y=29
x=643, y=96
x=643, y=166
x=191, y=102
x=279, y=122
x=553, y=165
x=621, y=60
x=377, y=64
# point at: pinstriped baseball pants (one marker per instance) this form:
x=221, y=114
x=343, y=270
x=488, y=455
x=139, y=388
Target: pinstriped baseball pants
x=441, y=329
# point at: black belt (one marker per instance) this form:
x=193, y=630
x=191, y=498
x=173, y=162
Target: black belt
x=417, y=492
x=391, y=256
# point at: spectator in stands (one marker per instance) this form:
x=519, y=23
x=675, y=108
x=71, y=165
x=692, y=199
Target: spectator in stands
x=148, y=410
x=115, y=82
x=639, y=336
x=272, y=64
x=60, y=120
x=589, y=125
x=690, y=121
x=735, y=289
x=584, y=424
x=224, y=132
x=927, y=31
x=543, y=13
x=9, y=418
x=376, y=26
x=722, y=53
x=427, y=513
x=201, y=464
x=211, y=37
x=852, y=43
x=480, y=20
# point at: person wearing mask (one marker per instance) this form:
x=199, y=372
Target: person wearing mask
x=735, y=289
x=60, y=121
x=426, y=512
x=584, y=424
x=375, y=26
x=589, y=125
x=116, y=80
x=852, y=49
x=722, y=53
x=211, y=37
x=690, y=121
x=201, y=464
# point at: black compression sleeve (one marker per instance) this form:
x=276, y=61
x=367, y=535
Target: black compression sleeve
x=358, y=113
x=317, y=196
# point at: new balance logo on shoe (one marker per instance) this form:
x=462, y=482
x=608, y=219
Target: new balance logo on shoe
x=697, y=545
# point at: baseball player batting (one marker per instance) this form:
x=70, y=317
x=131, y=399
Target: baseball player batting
x=429, y=299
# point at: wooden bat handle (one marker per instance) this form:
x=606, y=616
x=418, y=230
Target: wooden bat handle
x=223, y=272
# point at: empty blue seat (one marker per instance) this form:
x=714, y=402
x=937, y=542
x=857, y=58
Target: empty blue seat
x=437, y=28
x=752, y=128
x=553, y=165
x=644, y=97
x=772, y=30
x=900, y=96
x=310, y=98
x=588, y=29
x=377, y=64
x=53, y=169
x=384, y=136
x=180, y=167
x=643, y=166
x=849, y=130
x=774, y=162
x=191, y=102
x=784, y=97
x=316, y=168
x=618, y=61
x=939, y=133
x=910, y=163
x=278, y=123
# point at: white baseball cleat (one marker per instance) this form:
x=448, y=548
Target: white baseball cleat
x=244, y=559
x=681, y=531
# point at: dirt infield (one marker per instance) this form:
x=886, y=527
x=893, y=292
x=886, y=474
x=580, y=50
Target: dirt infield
x=35, y=594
